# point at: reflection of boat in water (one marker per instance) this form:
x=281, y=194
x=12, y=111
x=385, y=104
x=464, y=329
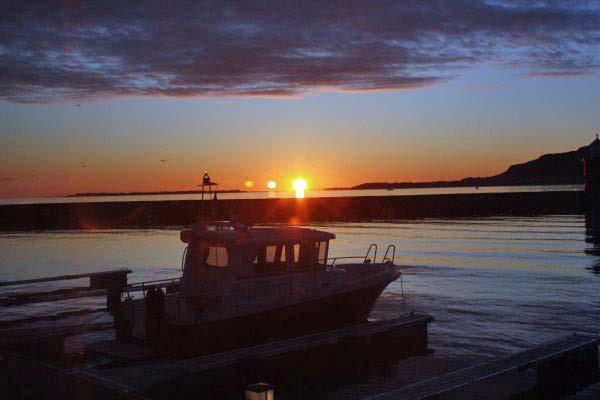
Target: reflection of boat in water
x=243, y=285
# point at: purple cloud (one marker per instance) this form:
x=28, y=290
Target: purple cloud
x=89, y=50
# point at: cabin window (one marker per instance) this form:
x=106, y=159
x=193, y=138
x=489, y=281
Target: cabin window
x=269, y=258
x=281, y=255
x=321, y=252
x=217, y=256
x=304, y=254
x=271, y=254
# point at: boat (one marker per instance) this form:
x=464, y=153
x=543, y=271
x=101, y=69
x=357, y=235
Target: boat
x=244, y=285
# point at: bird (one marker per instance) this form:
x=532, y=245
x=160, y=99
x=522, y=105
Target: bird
x=84, y=165
x=163, y=160
x=77, y=105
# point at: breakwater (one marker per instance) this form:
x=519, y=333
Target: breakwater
x=145, y=214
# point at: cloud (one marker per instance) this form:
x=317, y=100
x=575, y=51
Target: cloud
x=89, y=50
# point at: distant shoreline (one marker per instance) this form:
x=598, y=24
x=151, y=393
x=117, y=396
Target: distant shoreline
x=106, y=194
x=362, y=186
x=439, y=184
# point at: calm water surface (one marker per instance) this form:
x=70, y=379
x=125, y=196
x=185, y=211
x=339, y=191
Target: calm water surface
x=494, y=285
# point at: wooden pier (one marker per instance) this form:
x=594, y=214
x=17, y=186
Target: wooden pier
x=96, y=278
x=561, y=365
x=24, y=376
x=410, y=330
x=47, y=343
x=406, y=335
x=99, y=282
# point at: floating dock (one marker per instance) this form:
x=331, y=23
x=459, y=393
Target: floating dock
x=406, y=335
x=561, y=365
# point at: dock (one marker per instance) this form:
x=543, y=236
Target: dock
x=385, y=335
x=406, y=335
x=10, y=337
x=99, y=282
x=561, y=365
x=47, y=343
x=96, y=278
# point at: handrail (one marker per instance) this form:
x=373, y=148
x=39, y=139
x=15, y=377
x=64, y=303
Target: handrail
x=371, y=246
x=142, y=286
x=385, y=257
x=334, y=259
x=155, y=281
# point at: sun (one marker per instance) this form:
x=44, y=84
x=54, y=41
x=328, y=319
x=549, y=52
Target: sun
x=271, y=185
x=299, y=186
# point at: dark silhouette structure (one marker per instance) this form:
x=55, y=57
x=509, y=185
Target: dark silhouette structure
x=591, y=164
x=141, y=214
x=592, y=239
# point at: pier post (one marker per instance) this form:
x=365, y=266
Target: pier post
x=591, y=173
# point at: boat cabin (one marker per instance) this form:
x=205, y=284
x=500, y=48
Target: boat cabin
x=255, y=250
x=221, y=252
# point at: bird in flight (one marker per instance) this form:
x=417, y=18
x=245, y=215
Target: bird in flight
x=77, y=105
x=84, y=165
x=164, y=160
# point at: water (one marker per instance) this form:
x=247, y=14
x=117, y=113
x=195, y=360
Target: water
x=288, y=194
x=493, y=285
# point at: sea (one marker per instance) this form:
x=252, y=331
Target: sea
x=494, y=285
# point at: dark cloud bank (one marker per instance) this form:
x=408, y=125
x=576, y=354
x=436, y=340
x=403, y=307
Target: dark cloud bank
x=79, y=49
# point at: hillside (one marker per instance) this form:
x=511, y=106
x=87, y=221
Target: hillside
x=549, y=169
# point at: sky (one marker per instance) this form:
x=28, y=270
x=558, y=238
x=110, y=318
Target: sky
x=339, y=93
